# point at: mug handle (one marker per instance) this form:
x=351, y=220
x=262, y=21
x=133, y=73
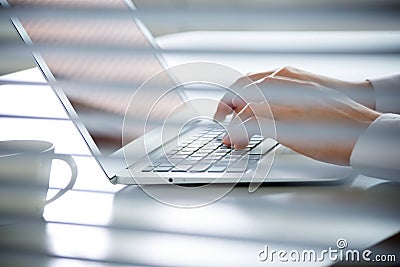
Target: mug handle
x=74, y=172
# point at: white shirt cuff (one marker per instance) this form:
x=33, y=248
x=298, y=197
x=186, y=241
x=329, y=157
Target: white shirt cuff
x=387, y=93
x=377, y=151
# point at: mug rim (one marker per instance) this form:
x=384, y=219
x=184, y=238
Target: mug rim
x=47, y=146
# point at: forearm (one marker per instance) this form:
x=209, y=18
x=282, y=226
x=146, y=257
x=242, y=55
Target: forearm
x=361, y=92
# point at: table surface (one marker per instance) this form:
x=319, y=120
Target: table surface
x=100, y=224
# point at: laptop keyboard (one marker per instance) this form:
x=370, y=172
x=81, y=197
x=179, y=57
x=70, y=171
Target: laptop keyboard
x=205, y=152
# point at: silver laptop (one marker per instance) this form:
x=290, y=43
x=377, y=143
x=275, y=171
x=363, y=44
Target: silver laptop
x=107, y=74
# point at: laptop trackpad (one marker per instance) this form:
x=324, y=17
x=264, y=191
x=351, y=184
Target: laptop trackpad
x=290, y=165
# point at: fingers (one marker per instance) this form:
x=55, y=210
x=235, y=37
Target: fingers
x=251, y=120
x=250, y=78
x=227, y=105
x=239, y=134
x=258, y=91
x=224, y=107
x=251, y=93
x=305, y=76
x=255, y=88
x=293, y=73
x=261, y=75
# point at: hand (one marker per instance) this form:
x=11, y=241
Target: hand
x=361, y=92
x=309, y=118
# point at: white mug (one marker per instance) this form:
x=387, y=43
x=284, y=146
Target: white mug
x=24, y=177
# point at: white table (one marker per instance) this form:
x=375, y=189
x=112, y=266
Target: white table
x=100, y=224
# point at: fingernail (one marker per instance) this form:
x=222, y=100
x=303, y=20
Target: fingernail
x=240, y=146
x=226, y=140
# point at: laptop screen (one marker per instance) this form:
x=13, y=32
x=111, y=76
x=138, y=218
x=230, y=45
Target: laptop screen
x=99, y=64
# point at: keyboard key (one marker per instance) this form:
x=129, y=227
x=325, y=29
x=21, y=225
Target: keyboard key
x=200, y=167
x=194, y=158
x=263, y=147
x=148, y=168
x=162, y=168
x=216, y=168
x=186, y=153
x=181, y=168
x=257, y=138
x=233, y=157
x=166, y=164
x=209, y=161
x=234, y=169
x=200, y=154
x=254, y=157
x=225, y=161
x=178, y=156
x=205, y=152
x=212, y=145
x=175, y=162
x=213, y=157
x=240, y=152
x=172, y=152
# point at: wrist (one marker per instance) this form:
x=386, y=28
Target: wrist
x=372, y=116
x=364, y=93
x=365, y=116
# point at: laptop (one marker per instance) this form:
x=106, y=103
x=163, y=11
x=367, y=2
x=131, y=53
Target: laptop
x=106, y=72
